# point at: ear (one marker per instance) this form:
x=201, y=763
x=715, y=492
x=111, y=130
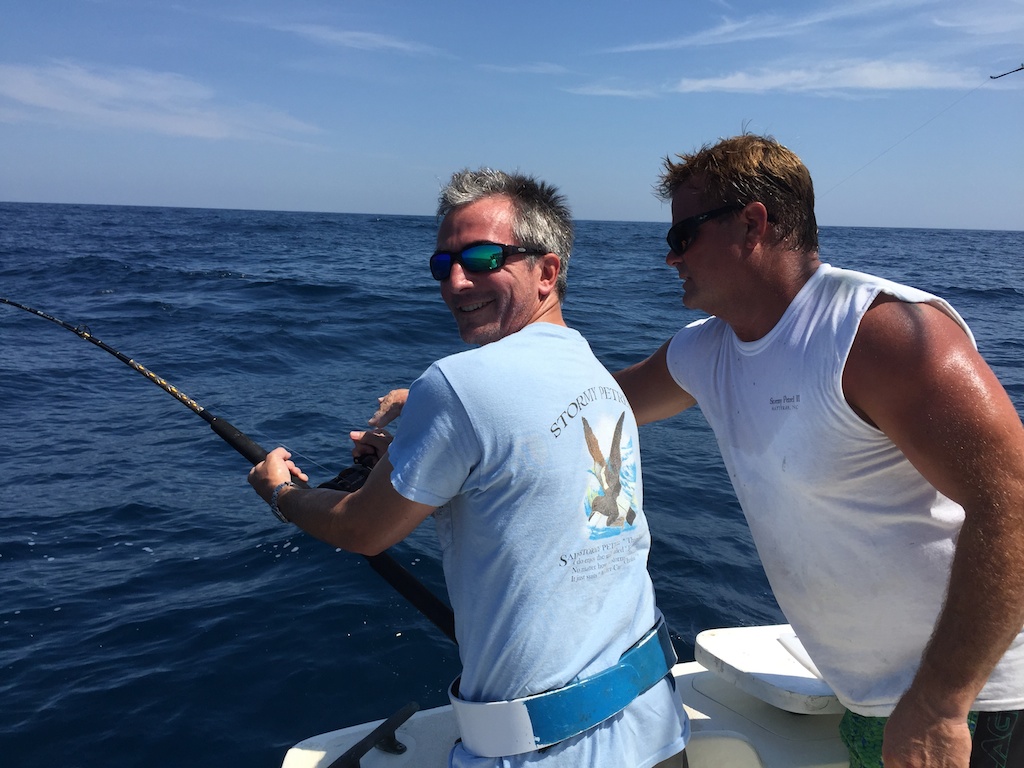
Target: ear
x=755, y=216
x=549, y=266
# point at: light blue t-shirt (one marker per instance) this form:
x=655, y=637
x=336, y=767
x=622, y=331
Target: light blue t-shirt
x=530, y=452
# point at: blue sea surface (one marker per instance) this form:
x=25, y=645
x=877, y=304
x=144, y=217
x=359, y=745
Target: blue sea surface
x=154, y=612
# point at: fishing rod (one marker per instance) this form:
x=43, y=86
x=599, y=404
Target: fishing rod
x=349, y=478
x=996, y=77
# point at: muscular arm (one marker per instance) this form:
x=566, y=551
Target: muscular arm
x=914, y=374
x=367, y=521
x=652, y=392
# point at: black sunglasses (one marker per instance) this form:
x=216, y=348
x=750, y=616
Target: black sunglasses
x=683, y=232
x=482, y=257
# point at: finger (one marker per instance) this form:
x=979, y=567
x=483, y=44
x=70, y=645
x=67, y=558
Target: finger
x=370, y=436
x=390, y=407
x=360, y=447
x=380, y=417
x=370, y=445
x=296, y=472
x=276, y=467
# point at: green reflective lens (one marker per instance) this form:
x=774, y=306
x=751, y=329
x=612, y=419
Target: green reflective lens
x=482, y=258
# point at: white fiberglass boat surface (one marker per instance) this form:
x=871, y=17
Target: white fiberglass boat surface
x=753, y=697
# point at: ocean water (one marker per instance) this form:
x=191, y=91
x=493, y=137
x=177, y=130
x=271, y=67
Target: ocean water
x=152, y=611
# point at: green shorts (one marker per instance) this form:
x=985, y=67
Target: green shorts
x=998, y=739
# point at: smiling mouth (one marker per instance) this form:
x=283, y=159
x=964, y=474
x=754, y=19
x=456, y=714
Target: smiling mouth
x=473, y=307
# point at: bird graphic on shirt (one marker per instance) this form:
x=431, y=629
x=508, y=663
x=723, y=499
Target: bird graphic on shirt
x=607, y=473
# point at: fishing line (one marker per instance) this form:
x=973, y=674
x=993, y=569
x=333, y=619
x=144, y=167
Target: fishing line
x=398, y=577
x=916, y=130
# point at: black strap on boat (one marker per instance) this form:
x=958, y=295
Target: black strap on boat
x=398, y=577
x=382, y=737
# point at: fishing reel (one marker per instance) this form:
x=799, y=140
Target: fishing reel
x=351, y=478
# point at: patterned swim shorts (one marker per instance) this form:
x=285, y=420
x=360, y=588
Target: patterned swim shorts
x=998, y=739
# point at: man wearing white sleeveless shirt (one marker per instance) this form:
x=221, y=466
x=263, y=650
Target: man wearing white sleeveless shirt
x=877, y=459
x=526, y=454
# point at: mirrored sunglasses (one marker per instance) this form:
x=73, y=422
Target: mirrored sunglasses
x=482, y=257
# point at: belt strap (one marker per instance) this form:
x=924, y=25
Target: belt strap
x=501, y=728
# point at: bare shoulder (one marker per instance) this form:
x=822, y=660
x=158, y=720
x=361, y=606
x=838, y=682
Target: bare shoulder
x=895, y=326
x=905, y=351
x=914, y=373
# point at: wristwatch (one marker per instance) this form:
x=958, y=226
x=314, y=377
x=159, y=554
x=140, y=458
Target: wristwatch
x=273, y=500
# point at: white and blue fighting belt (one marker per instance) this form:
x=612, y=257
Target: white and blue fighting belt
x=501, y=728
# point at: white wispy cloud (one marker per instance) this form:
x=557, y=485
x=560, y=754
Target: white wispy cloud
x=363, y=41
x=1003, y=19
x=725, y=33
x=853, y=47
x=535, y=68
x=774, y=26
x=621, y=92
x=137, y=99
x=877, y=75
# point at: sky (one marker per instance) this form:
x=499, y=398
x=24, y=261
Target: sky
x=331, y=105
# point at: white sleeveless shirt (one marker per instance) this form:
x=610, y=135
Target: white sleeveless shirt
x=856, y=544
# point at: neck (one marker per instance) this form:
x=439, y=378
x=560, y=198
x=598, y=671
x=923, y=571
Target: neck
x=769, y=295
x=549, y=312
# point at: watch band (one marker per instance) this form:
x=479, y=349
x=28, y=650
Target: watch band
x=273, y=500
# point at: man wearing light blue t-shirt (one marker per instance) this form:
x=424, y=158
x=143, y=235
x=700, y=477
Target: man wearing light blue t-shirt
x=526, y=454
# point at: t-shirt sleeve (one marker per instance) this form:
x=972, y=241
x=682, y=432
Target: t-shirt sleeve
x=436, y=447
x=681, y=351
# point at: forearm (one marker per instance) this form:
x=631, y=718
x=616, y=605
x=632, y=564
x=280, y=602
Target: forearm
x=321, y=512
x=983, y=612
x=366, y=521
x=984, y=607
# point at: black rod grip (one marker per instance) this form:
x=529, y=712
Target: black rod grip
x=241, y=442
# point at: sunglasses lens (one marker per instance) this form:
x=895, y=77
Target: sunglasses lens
x=482, y=258
x=440, y=266
x=678, y=238
x=485, y=257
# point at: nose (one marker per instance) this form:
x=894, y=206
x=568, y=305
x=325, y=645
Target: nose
x=672, y=258
x=458, y=278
